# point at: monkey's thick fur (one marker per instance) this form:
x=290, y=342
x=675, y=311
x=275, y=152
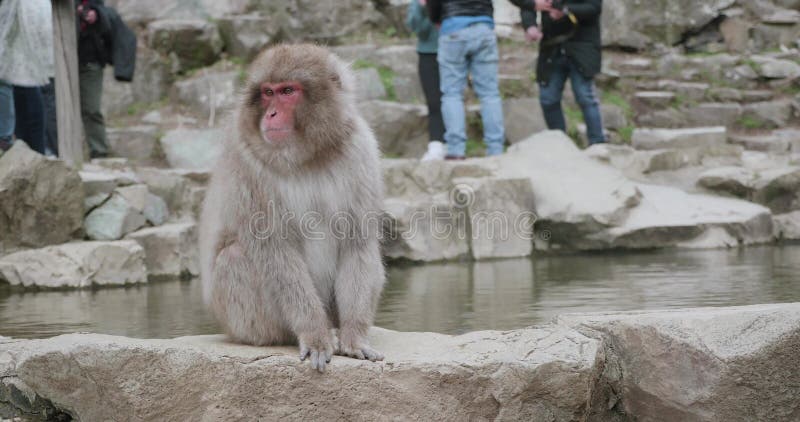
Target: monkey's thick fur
x=268, y=279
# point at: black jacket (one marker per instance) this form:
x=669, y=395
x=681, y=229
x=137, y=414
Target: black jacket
x=439, y=10
x=107, y=41
x=584, y=47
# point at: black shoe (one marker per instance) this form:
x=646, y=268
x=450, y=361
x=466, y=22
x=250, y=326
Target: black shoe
x=5, y=145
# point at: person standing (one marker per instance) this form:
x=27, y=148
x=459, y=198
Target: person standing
x=569, y=48
x=427, y=45
x=26, y=43
x=94, y=41
x=468, y=46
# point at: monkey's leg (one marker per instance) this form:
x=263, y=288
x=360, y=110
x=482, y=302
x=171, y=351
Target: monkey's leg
x=358, y=288
x=292, y=290
x=239, y=302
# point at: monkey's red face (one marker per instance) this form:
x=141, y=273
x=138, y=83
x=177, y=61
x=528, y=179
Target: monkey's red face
x=279, y=101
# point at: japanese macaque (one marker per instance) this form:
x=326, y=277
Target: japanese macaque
x=288, y=242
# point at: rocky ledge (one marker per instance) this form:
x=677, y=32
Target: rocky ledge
x=709, y=364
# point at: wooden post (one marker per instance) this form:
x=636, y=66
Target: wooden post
x=68, y=100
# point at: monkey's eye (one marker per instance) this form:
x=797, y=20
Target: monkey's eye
x=287, y=90
x=268, y=92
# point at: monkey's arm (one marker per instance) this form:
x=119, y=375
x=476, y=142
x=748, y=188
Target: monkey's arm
x=358, y=286
x=294, y=293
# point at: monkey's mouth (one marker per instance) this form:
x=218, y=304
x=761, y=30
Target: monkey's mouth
x=274, y=135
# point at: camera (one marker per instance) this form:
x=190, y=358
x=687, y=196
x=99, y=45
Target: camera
x=558, y=4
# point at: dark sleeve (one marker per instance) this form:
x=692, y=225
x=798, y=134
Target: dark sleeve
x=588, y=10
x=434, y=10
x=527, y=11
x=528, y=18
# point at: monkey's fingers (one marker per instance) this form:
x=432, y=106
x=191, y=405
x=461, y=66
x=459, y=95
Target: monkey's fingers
x=304, y=352
x=317, y=360
x=371, y=354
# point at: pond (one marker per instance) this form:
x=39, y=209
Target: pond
x=449, y=297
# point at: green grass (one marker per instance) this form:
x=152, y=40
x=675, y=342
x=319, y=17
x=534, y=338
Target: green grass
x=750, y=122
x=752, y=63
x=475, y=148
x=574, y=117
x=619, y=101
x=626, y=133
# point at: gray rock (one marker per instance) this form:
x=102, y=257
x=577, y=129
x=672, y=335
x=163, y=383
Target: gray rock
x=425, y=228
x=725, y=94
x=736, y=33
x=145, y=11
x=484, y=375
x=779, y=189
x=207, y=91
x=708, y=364
x=778, y=69
x=714, y=114
x=668, y=118
x=411, y=177
x=136, y=143
x=655, y=99
x=247, y=35
x=736, y=181
x=523, y=117
x=155, y=210
x=771, y=114
x=401, y=129
x=170, y=250
x=614, y=117
x=192, y=148
x=668, y=216
x=767, y=143
x=500, y=216
x=782, y=17
x=115, y=218
x=573, y=193
x=195, y=43
x=754, y=96
x=149, y=85
x=678, y=138
x=694, y=91
x=369, y=85
x=41, y=200
x=76, y=265
x=787, y=226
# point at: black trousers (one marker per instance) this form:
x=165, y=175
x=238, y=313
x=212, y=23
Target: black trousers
x=29, y=106
x=429, y=76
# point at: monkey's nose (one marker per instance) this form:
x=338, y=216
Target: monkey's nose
x=273, y=113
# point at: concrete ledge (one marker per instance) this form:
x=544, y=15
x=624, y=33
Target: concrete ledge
x=692, y=365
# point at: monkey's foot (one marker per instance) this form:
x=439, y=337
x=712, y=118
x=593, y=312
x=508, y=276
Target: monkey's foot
x=359, y=349
x=318, y=348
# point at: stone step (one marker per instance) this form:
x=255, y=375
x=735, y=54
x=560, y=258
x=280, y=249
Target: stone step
x=646, y=138
x=655, y=99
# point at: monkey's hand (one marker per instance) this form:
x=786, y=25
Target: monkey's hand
x=318, y=346
x=357, y=347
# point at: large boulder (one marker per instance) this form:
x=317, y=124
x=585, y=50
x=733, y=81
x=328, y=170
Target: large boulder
x=41, y=200
x=670, y=217
x=196, y=43
x=708, y=364
x=777, y=188
x=76, y=265
x=401, y=129
x=192, y=148
x=787, y=226
x=424, y=228
x=170, y=250
x=533, y=374
x=574, y=194
x=523, y=118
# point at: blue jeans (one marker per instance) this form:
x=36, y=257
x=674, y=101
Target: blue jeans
x=472, y=50
x=7, y=115
x=583, y=88
x=29, y=107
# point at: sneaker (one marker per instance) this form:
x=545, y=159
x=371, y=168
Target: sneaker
x=455, y=158
x=435, y=152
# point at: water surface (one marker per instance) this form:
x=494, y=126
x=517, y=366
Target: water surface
x=450, y=297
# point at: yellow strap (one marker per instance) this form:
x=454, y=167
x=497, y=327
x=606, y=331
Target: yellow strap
x=572, y=18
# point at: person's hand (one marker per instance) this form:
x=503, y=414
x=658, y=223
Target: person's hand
x=556, y=14
x=533, y=34
x=91, y=16
x=542, y=5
